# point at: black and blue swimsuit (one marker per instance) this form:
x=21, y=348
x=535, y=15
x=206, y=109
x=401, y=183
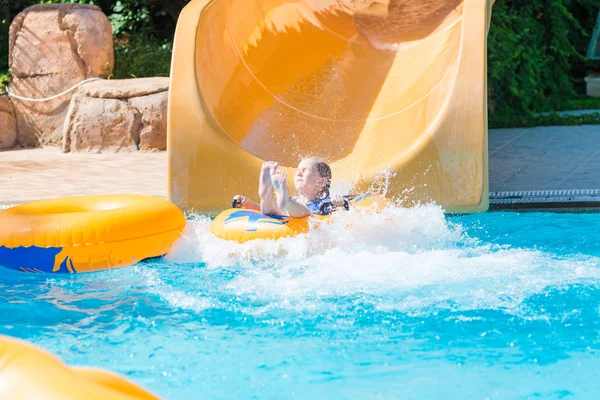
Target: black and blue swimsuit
x=322, y=206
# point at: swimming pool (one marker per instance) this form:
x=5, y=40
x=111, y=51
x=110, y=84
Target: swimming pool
x=408, y=304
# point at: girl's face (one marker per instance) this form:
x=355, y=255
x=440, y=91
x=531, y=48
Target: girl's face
x=307, y=180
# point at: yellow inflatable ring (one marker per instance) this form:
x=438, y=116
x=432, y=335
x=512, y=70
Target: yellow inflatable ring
x=87, y=233
x=29, y=373
x=242, y=225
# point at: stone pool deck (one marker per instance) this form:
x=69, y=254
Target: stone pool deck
x=554, y=167
x=36, y=174
x=550, y=159
x=545, y=158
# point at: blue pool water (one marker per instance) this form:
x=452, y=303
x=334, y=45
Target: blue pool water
x=407, y=304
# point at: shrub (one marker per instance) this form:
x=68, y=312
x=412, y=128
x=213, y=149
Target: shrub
x=536, y=57
x=139, y=56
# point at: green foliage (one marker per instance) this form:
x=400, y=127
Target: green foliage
x=555, y=119
x=152, y=18
x=4, y=24
x=551, y=119
x=140, y=56
x=536, y=56
x=4, y=79
x=143, y=31
x=581, y=103
x=129, y=16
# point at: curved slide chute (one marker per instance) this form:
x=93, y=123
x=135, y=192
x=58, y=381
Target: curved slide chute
x=393, y=88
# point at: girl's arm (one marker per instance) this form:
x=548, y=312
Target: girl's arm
x=284, y=202
x=250, y=205
x=296, y=210
x=245, y=202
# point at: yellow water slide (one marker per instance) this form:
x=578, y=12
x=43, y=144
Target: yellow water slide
x=378, y=88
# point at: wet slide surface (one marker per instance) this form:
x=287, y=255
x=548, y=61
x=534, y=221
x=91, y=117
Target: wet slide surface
x=371, y=86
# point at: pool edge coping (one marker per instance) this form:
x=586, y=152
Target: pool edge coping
x=574, y=199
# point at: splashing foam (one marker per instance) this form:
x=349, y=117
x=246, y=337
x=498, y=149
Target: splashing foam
x=403, y=259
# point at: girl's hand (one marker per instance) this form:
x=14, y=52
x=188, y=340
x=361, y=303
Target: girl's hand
x=239, y=201
x=338, y=201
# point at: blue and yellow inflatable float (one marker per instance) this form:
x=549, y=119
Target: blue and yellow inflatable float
x=242, y=225
x=87, y=233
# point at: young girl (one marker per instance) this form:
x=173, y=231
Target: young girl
x=312, y=182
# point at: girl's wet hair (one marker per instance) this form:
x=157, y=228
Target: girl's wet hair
x=324, y=171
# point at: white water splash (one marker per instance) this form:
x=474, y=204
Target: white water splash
x=404, y=259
